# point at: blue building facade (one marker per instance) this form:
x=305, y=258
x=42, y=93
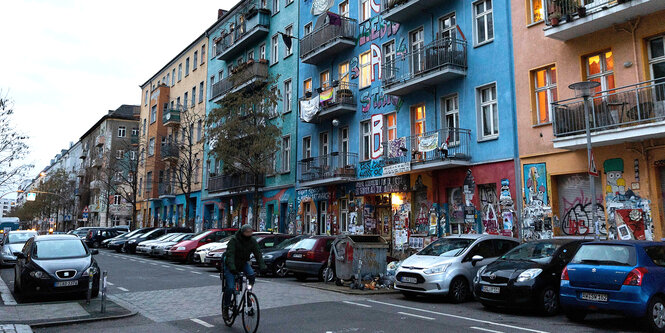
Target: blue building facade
x=407, y=119
x=249, y=47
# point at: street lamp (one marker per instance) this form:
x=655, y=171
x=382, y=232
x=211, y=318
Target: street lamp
x=585, y=89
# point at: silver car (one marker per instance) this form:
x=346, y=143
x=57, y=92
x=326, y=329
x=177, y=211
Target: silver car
x=448, y=265
x=11, y=242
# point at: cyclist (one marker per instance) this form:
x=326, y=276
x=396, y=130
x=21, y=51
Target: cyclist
x=236, y=259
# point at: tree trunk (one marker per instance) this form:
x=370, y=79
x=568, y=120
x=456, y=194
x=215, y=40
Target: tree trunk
x=255, y=218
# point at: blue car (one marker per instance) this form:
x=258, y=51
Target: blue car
x=622, y=277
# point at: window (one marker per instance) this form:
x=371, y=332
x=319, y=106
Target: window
x=365, y=70
x=179, y=72
x=153, y=114
x=273, y=108
x=135, y=131
x=600, y=68
x=448, y=26
x=307, y=85
x=196, y=59
x=324, y=79
x=203, y=54
x=151, y=147
x=343, y=72
x=323, y=144
x=275, y=6
x=193, y=96
x=145, y=126
x=119, y=154
x=343, y=215
x=168, y=78
x=288, y=92
x=201, y=92
x=145, y=97
x=274, y=46
x=417, y=43
x=391, y=126
x=199, y=130
x=344, y=140
x=535, y=11
x=116, y=199
x=122, y=131
x=187, y=66
x=306, y=151
x=132, y=155
x=262, y=52
x=185, y=101
x=484, y=26
x=366, y=142
x=418, y=119
x=657, y=58
x=344, y=8
x=489, y=114
x=289, y=49
x=545, y=92
x=450, y=107
x=250, y=55
x=365, y=10
x=307, y=29
x=286, y=154
x=173, y=78
x=389, y=59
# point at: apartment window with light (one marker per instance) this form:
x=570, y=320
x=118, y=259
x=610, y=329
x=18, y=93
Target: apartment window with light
x=196, y=59
x=344, y=8
x=288, y=93
x=262, y=51
x=151, y=147
x=324, y=79
x=343, y=72
x=391, y=126
x=450, y=108
x=122, y=131
x=366, y=141
x=179, y=72
x=535, y=11
x=545, y=93
x=600, y=68
x=365, y=70
x=187, y=66
x=484, y=27
x=418, y=119
x=307, y=29
x=365, y=10
x=488, y=112
x=153, y=114
x=289, y=49
x=286, y=154
x=389, y=59
x=307, y=85
x=201, y=92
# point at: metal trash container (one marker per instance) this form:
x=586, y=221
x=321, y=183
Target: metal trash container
x=360, y=254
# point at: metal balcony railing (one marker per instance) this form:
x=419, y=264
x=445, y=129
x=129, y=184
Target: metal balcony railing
x=439, y=54
x=333, y=165
x=234, y=182
x=222, y=87
x=170, y=151
x=344, y=93
x=321, y=37
x=134, y=139
x=566, y=10
x=166, y=189
x=253, y=20
x=429, y=146
x=171, y=116
x=245, y=73
x=616, y=108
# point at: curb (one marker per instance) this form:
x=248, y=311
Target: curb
x=6, y=295
x=82, y=320
x=348, y=291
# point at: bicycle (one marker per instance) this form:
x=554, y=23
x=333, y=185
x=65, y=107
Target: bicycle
x=248, y=305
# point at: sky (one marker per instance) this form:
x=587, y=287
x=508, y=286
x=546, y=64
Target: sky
x=66, y=63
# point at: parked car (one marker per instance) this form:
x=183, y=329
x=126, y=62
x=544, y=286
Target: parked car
x=309, y=257
x=130, y=245
x=184, y=251
x=528, y=276
x=82, y=232
x=95, y=237
x=159, y=249
x=448, y=265
x=275, y=257
x=118, y=243
x=265, y=240
x=625, y=277
x=11, y=242
x=201, y=253
x=122, y=228
x=55, y=264
x=145, y=247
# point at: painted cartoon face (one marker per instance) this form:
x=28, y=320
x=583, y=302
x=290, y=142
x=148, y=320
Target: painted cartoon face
x=613, y=176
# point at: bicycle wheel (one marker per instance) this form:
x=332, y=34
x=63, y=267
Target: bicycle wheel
x=250, y=313
x=231, y=318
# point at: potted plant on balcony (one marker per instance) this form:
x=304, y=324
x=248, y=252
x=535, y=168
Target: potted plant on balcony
x=263, y=61
x=555, y=19
x=581, y=9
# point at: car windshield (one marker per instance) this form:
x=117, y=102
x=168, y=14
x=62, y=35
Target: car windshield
x=59, y=248
x=20, y=237
x=447, y=247
x=150, y=233
x=202, y=235
x=605, y=254
x=287, y=244
x=181, y=237
x=165, y=237
x=305, y=244
x=80, y=232
x=131, y=233
x=540, y=252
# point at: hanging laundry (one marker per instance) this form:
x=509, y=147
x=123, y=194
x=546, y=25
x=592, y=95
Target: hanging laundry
x=334, y=19
x=326, y=95
x=428, y=142
x=309, y=108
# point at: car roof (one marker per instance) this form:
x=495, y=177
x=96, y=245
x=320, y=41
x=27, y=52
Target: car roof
x=22, y=231
x=54, y=237
x=482, y=236
x=641, y=243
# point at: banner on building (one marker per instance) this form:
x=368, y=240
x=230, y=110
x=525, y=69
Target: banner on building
x=428, y=142
x=394, y=169
x=383, y=185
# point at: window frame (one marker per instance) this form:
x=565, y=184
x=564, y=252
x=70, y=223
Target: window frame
x=365, y=140
x=288, y=95
x=274, y=50
x=548, y=88
x=122, y=131
x=361, y=67
x=286, y=154
x=476, y=16
x=454, y=113
x=288, y=51
x=531, y=13
x=480, y=104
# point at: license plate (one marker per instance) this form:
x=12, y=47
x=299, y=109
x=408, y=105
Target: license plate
x=297, y=255
x=407, y=279
x=594, y=297
x=490, y=289
x=67, y=283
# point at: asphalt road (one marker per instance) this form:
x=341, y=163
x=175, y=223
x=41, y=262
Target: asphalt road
x=172, y=297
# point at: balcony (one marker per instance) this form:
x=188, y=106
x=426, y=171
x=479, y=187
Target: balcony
x=328, y=40
x=402, y=10
x=327, y=169
x=335, y=101
x=575, y=21
x=134, y=140
x=171, y=116
x=630, y=113
x=84, y=154
x=440, y=61
x=234, y=183
x=254, y=26
x=427, y=151
x=243, y=76
x=166, y=190
x=100, y=140
x=170, y=152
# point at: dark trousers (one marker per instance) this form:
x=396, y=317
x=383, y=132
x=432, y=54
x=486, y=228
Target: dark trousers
x=230, y=281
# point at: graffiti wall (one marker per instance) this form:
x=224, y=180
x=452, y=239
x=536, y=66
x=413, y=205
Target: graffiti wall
x=575, y=209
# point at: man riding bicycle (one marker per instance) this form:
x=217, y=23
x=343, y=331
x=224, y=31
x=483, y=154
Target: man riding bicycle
x=236, y=259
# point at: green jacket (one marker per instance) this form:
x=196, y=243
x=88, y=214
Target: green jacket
x=238, y=251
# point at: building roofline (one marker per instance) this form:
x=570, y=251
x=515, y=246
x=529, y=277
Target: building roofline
x=173, y=60
x=108, y=116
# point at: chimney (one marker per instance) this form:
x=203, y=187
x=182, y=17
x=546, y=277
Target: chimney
x=220, y=13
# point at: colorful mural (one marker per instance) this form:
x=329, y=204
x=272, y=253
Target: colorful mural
x=535, y=180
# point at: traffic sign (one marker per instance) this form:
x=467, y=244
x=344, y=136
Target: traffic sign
x=85, y=209
x=31, y=196
x=85, y=215
x=592, y=166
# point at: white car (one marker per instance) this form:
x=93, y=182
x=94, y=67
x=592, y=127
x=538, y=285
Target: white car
x=145, y=247
x=202, y=251
x=159, y=249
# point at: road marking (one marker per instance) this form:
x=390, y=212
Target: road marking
x=458, y=317
x=180, y=269
x=154, y=264
x=110, y=284
x=123, y=289
x=201, y=322
x=195, y=272
x=415, y=315
x=165, y=266
x=215, y=276
x=484, y=329
x=358, y=304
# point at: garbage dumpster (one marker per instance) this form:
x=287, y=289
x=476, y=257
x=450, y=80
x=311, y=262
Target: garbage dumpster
x=357, y=256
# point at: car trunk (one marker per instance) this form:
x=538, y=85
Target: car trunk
x=597, y=276
x=308, y=250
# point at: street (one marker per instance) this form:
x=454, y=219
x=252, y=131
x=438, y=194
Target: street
x=172, y=297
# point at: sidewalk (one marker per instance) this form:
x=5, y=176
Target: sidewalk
x=347, y=290
x=15, y=328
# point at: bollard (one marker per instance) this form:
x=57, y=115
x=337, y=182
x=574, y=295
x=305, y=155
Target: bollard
x=89, y=293
x=104, y=275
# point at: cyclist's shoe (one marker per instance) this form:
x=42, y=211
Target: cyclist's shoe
x=225, y=313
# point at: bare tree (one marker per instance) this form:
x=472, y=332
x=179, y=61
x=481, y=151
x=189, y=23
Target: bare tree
x=120, y=176
x=13, y=148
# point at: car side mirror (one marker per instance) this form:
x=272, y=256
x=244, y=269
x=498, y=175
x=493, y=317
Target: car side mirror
x=19, y=255
x=94, y=251
x=475, y=259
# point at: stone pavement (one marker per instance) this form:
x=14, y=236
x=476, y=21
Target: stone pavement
x=11, y=328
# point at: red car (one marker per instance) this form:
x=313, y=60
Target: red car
x=184, y=251
x=309, y=257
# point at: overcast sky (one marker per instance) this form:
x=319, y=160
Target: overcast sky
x=66, y=63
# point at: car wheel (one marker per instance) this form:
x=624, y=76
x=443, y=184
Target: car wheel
x=575, y=316
x=459, y=290
x=409, y=295
x=190, y=257
x=280, y=269
x=549, y=301
x=655, y=317
x=301, y=277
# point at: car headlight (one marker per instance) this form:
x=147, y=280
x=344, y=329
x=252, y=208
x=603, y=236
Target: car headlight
x=180, y=248
x=92, y=270
x=529, y=274
x=436, y=269
x=39, y=275
x=267, y=256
